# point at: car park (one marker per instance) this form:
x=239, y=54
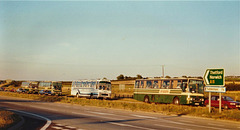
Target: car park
x=226, y=102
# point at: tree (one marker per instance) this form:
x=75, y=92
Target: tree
x=139, y=76
x=167, y=77
x=120, y=77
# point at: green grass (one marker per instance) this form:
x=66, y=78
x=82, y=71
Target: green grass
x=133, y=105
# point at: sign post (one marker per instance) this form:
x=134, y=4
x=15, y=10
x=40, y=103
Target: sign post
x=209, y=103
x=215, y=82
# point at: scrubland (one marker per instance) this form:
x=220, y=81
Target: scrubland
x=7, y=119
x=133, y=105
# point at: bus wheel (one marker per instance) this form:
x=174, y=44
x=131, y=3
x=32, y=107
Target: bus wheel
x=146, y=99
x=176, y=101
x=91, y=96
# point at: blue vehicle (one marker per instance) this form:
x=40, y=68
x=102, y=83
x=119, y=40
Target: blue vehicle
x=45, y=92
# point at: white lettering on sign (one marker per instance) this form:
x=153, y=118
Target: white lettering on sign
x=215, y=89
x=216, y=72
x=164, y=91
x=215, y=77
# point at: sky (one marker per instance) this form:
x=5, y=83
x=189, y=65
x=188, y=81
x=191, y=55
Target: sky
x=89, y=40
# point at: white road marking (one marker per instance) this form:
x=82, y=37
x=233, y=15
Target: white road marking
x=43, y=108
x=59, y=124
x=186, y=121
x=166, y=126
x=169, y=121
x=100, y=113
x=96, y=116
x=55, y=127
x=45, y=126
x=120, y=124
x=145, y=116
x=71, y=127
x=215, y=124
x=138, y=127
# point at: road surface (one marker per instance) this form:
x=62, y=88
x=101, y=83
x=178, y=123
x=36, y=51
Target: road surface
x=59, y=116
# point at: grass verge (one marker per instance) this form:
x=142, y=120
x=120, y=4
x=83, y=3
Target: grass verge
x=137, y=106
x=7, y=119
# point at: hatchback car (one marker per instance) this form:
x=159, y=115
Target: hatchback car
x=20, y=90
x=46, y=92
x=227, y=102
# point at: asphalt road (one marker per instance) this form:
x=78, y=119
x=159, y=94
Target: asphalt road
x=59, y=116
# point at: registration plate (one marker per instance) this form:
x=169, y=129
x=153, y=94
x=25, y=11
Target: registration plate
x=196, y=103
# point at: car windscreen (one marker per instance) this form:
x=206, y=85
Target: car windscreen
x=227, y=98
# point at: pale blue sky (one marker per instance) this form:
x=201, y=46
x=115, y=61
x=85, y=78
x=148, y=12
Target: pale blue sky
x=89, y=40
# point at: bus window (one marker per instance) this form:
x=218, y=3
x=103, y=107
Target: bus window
x=93, y=84
x=179, y=84
x=78, y=84
x=142, y=84
x=155, y=84
x=149, y=84
x=168, y=84
x=184, y=85
x=196, y=86
x=164, y=85
x=137, y=84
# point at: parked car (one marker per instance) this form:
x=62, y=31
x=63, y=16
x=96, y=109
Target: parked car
x=45, y=92
x=227, y=102
x=20, y=90
x=13, y=90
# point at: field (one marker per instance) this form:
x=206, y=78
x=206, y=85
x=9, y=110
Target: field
x=133, y=105
x=7, y=119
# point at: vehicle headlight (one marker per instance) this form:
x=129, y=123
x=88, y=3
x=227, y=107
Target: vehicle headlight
x=233, y=104
x=202, y=99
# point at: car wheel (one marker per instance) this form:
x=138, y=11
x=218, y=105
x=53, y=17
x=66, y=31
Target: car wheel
x=176, y=101
x=91, y=96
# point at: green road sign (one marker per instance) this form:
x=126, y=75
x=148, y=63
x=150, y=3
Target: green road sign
x=214, y=77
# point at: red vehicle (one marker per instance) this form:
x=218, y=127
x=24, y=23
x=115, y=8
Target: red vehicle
x=227, y=102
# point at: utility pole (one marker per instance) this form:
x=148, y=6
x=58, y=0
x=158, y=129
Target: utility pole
x=162, y=71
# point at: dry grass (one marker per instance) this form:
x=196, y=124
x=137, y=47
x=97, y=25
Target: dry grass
x=133, y=105
x=7, y=119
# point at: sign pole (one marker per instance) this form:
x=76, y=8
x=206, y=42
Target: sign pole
x=215, y=81
x=220, y=102
x=209, y=102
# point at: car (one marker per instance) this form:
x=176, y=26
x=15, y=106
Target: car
x=20, y=90
x=2, y=89
x=13, y=90
x=45, y=92
x=227, y=102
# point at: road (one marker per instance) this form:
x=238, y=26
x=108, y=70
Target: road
x=75, y=117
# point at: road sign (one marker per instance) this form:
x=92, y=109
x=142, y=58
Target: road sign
x=215, y=89
x=214, y=77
